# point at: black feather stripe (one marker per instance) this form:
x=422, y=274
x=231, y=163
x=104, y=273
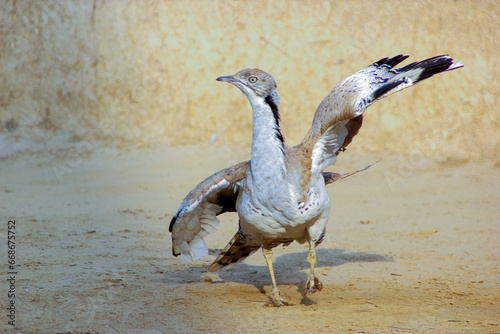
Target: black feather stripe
x=391, y=62
x=322, y=236
x=269, y=100
x=429, y=67
x=227, y=201
x=386, y=88
x=407, y=67
x=172, y=223
x=170, y=228
x=380, y=62
x=235, y=251
x=274, y=107
x=395, y=60
x=433, y=67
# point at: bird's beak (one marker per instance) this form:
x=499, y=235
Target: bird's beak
x=229, y=78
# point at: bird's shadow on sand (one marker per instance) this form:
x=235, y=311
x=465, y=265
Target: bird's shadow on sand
x=291, y=268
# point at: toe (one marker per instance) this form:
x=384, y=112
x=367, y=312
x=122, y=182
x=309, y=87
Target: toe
x=278, y=302
x=313, y=284
x=317, y=284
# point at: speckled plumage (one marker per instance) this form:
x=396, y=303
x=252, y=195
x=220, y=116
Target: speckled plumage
x=280, y=194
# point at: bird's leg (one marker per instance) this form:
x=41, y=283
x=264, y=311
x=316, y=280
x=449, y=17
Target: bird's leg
x=313, y=283
x=277, y=300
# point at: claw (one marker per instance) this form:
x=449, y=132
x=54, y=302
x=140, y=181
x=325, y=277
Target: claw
x=277, y=301
x=313, y=284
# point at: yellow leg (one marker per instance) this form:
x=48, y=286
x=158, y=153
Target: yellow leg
x=313, y=283
x=268, y=254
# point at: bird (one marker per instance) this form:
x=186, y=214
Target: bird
x=280, y=193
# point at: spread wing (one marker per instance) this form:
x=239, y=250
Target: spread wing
x=339, y=116
x=197, y=214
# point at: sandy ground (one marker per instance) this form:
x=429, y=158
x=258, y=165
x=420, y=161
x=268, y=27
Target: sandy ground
x=411, y=246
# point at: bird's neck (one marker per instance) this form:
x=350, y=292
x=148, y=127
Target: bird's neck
x=267, y=157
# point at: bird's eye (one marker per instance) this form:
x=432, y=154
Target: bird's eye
x=252, y=79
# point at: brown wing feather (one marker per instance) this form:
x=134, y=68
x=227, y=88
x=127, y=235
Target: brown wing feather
x=338, y=118
x=196, y=216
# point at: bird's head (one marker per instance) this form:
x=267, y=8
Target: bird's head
x=254, y=83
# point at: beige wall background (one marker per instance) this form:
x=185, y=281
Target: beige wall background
x=144, y=72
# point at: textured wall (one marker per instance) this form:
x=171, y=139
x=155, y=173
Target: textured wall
x=145, y=71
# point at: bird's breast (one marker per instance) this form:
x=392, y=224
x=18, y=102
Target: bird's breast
x=280, y=214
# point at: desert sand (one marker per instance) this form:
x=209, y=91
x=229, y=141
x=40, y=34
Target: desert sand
x=412, y=245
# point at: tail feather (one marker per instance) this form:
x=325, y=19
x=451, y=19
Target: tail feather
x=235, y=251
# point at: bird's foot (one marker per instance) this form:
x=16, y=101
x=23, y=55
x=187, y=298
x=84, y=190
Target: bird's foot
x=277, y=301
x=313, y=284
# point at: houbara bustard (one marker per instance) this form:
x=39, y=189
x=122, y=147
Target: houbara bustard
x=280, y=193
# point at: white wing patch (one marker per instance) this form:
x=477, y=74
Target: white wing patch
x=196, y=218
x=325, y=149
x=352, y=96
x=198, y=250
x=197, y=214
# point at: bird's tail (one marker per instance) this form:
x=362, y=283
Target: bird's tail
x=235, y=251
